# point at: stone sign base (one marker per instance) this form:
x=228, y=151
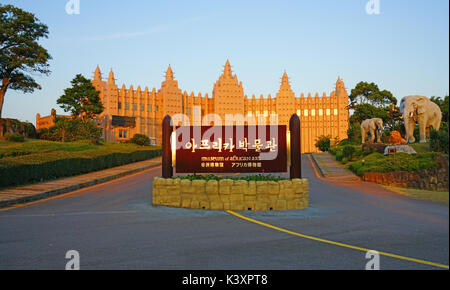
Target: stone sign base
x=400, y=149
x=228, y=194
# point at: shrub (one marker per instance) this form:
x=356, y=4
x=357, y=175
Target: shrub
x=70, y=130
x=323, y=143
x=140, y=139
x=354, y=133
x=87, y=131
x=43, y=134
x=333, y=150
x=369, y=148
x=344, y=142
x=348, y=152
x=439, y=141
x=358, y=153
x=14, y=137
x=339, y=155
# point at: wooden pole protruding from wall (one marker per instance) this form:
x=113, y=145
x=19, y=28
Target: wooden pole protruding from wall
x=167, y=129
x=296, y=153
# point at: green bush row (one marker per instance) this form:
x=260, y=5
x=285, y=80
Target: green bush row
x=39, y=167
x=377, y=162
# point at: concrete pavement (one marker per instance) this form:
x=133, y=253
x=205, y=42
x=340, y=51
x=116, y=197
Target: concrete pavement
x=331, y=169
x=114, y=226
x=33, y=192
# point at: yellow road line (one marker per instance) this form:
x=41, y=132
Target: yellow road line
x=337, y=243
x=76, y=191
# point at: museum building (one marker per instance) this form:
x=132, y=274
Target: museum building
x=130, y=111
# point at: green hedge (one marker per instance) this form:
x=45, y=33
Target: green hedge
x=52, y=165
x=377, y=162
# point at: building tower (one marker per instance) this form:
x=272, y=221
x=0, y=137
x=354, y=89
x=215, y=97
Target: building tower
x=285, y=101
x=342, y=107
x=170, y=95
x=228, y=94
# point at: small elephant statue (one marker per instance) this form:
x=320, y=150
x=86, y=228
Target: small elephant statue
x=374, y=127
x=420, y=109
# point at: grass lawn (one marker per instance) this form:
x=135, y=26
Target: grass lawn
x=38, y=160
x=377, y=162
x=437, y=196
x=31, y=146
x=421, y=147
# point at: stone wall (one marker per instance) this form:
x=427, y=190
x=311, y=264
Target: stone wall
x=228, y=194
x=428, y=179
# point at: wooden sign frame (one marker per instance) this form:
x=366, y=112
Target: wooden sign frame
x=291, y=143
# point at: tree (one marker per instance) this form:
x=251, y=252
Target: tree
x=368, y=111
x=370, y=93
x=367, y=101
x=395, y=119
x=21, y=56
x=82, y=99
x=443, y=104
x=70, y=130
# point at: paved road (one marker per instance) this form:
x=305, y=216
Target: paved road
x=114, y=226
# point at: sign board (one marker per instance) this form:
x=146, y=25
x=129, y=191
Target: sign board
x=227, y=149
x=122, y=121
x=392, y=151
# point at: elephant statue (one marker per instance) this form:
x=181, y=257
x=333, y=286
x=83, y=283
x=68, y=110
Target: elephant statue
x=374, y=127
x=419, y=109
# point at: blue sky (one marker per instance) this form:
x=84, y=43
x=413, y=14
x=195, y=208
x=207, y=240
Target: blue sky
x=404, y=49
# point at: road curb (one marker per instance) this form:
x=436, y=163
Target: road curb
x=321, y=170
x=70, y=188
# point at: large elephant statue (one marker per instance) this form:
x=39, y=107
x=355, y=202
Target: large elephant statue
x=419, y=109
x=374, y=127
